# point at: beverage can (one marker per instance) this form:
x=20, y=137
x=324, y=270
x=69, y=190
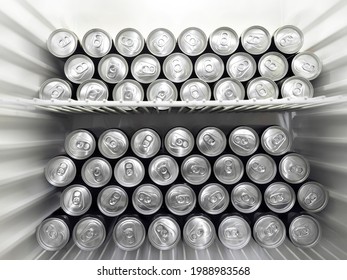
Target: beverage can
x=195, y=169
x=62, y=43
x=276, y=140
x=273, y=65
x=112, y=201
x=192, y=41
x=80, y=144
x=56, y=89
x=228, y=89
x=313, y=197
x=246, y=197
x=147, y=199
x=209, y=67
x=307, y=65
x=288, y=39
x=97, y=43
x=129, y=42
x=161, y=42
x=224, y=41
x=243, y=141
x=213, y=199
x=177, y=67
x=163, y=170
x=305, y=231
x=79, y=68
x=145, y=143
x=113, y=68
x=76, y=200
x=261, y=169
x=96, y=172
x=228, y=169
x=129, y=172
x=211, y=141
x=241, y=66
x=92, y=90
x=128, y=90
x=279, y=197
x=256, y=40
x=297, y=87
x=180, y=199
x=262, y=88
x=162, y=90
x=145, y=68
x=113, y=143
x=60, y=171
x=294, y=168
x=179, y=142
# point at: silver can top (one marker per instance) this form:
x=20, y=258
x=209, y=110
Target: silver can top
x=243, y=141
x=307, y=65
x=256, y=40
x=60, y=171
x=113, y=143
x=145, y=68
x=56, y=89
x=246, y=197
x=62, y=43
x=97, y=43
x=228, y=89
x=145, y=143
x=164, y=233
x=297, y=87
x=195, y=90
x=305, y=231
x=96, y=172
x=80, y=144
x=294, y=168
x=113, y=68
x=241, y=66
x=162, y=90
x=213, y=199
x=195, y=169
x=129, y=233
x=112, y=201
x=273, y=65
x=93, y=90
x=179, y=142
x=234, y=232
x=163, y=170
x=128, y=90
x=53, y=234
x=279, y=197
x=89, y=234
x=79, y=68
x=129, y=172
x=209, y=67
x=288, y=39
x=269, y=231
x=199, y=232
x=177, y=67
x=276, y=140
x=192, y=41
x=211, y=141
x=180, y=199
x=261, y=169
x=129, y=42
x=228, y=169
x=262, y=88
x=76, y=200
x=161, y=42
x=147, y=199
x=313, y=197
x=224, y=41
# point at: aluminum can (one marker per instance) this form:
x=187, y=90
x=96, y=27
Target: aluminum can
x=177, y=67
x=80, y=144
x=56, y=89
x=307, y=65
x=199, y=232
x=213, y=199
x=92, y=90
x=147, y=199
x=276, y=140
x=256, y=40
x=261, y=169
x=79, y=68
x=129, y=233
x=164, y=233
x=209, y=67
x=279, y=197
x=273, y=65
x=145, y=143
x=195, y=90
x=113, y=68
x=224, y=41
x=161, y=42
x=179, y=142
x=180, y=199
x=294, y=168
x=162, y=90
x=228, y=169
x=228, y=89
x=262, y=88
x=129, y=42
x=241, y=66
x=234, y=232
x=96, y=172
x=113, y=143
x=313, y=197
x=129, y=172
x=60, y=171
x=62, y=43
x=243, y=141
x=163, y=170
x=97, y=43
x=53, y=234
x=112, y=201
x=269, y=231
x=305, y=231
x=76, y=200
x=195, y=169
x=297, y=87
x=145, y=68
x=192, y=41
x=128, y=90
x=288, y=39
x=246, y=197
x=211, y=141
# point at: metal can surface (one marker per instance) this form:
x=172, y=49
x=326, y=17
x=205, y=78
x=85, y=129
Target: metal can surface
x=195, y=169
x=145, y=143
x=113, y=68
x=97, y=43
x=313, y=197
x=243, y=141
x=297, y=87
x=211, y=141
x=129, y=172
x=192, y=41
x=163, y=170
x=113, y=143
x=177, y=67
x=164, y=233
x=279, y=197
x=228, y=169
x=304, y=231
x=276, y=140
x=195, y=90
x=307, y=65
x=145, y=68
x=56, y=89
x=213, y=199
x=76, y=200
x=224, y=41
x=53, y=234
x=288, y=39
x=60, y=171
x=112, y=201
x=79, y=68
x=80, y=144
x=234, y=232
x=209, y=67
x=129, y=233
x=96, y=172
x=161, y=42
x=62, y=43
x=228, y=89
x=93, y=90
x=256, y=40
x=241, y=66
x=147, y=199
x=246, y=197
x=162, y=90
x=179, y=142
x=129, y=42
x=294, y=168
x=261, y=169
x=128, y=90
x=180, y=199
x=273, y=65
x=262, y=88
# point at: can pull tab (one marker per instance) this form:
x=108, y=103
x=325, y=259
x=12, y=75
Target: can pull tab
x=147, y=142
x=232, y=233
x=181, y=200
x=197, y=169
x=163, y=171
x=57, y=91
x=129, y=235
x=297, y=169
x=297, y=89
x=112, y=70
x=278, y=139
x=90, y=233
x=162, y=232
x=311, y=198
x=302, y=231
x=270, y=64
x=64, y=41
x=209, y=139
x=255, y=39
x=114, y=198
x=98, y=40
x=179, y=141
x=146, y=69
x=288, y=40
x=240, y=68
x=177, y=67
x=129, y=43
x=245, y=142
x=82, y=145
x=224, y=40
x=129, y=93
x=271, y=230
x=97, y=173
x=257, y=167
x=308, y=67
x=278, y=198
x=53, y=233
x=261, y=90
x=228, y=92
x=194, y=91
x=247, y=198
x=228, y=166
x=214, y=199
x=79, y=70
x=161, y=41
x=163, y=93
x=145, y=198
x=94, y=92
x=209, y=66
x=197, y=233
x=62, y=169
x=77, y=199
x=113, y=144
x=129, y=169
x=192, y=41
